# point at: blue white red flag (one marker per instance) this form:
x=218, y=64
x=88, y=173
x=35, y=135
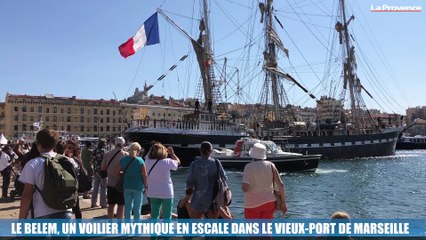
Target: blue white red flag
x=146, y=35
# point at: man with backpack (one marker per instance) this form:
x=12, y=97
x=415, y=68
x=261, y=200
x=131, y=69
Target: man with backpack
x=50, y=180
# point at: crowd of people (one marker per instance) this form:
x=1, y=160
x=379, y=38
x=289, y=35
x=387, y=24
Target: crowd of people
x=120, y=178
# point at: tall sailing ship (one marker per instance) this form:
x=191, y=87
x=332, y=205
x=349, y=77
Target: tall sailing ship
x=343, y=136
x=347, y=136
x=186, y=135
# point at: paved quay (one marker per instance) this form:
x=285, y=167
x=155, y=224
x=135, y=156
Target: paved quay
x=9, y=208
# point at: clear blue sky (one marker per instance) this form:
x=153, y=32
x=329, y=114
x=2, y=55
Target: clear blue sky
x=69, y=48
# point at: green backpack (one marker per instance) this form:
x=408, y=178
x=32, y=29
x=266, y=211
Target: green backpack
x=60, y=183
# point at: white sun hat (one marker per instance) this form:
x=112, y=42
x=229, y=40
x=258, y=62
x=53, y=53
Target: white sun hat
x=258, y=151
x=120, y=141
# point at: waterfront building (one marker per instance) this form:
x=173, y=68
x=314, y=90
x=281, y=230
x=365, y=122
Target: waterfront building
x=329, y=110
x=23, y=114
x=2, y=117
x=414, y=113
x=144, y=113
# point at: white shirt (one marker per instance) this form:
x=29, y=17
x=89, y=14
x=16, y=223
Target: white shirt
x=33, y=173
x=259, y=176
x=4, y=160
x=160, y=183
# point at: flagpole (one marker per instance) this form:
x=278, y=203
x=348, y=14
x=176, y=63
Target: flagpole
x=160, y=11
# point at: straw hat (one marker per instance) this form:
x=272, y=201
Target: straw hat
x=258, y=151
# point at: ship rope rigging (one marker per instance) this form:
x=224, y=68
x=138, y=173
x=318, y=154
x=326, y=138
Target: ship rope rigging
x=235, y=78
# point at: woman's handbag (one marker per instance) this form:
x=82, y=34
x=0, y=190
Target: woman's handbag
x=120, y=181
x=277, y=193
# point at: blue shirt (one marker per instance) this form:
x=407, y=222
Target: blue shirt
x=202, y=177
x=133, y=176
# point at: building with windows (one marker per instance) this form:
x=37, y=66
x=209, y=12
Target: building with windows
x=23, y=114
x=2, y=117
x=419, y=114
x=143, y=113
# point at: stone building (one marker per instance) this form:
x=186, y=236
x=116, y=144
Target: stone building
x=2, y=117
x=329, y=110
x=100, y=118
x=413, y=114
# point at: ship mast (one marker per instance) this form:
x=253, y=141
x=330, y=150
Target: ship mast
x=350, y=78
x=208, y=56
x=270, y=58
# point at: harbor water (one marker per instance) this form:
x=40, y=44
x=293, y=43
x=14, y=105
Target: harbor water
x=380, y=187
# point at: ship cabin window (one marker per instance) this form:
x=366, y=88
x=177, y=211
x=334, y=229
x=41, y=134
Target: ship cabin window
x=246, y=147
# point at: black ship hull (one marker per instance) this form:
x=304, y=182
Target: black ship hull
x=330, y=147
x=341, y=146
x=287, y=164
x=186, y=147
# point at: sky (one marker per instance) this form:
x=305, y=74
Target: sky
x=70, y=48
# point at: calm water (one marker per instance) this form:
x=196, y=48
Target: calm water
x=381, y=187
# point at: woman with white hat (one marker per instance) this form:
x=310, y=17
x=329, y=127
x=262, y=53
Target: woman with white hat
x=259, y=178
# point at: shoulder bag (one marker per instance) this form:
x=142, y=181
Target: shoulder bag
x=277, y=193
x=120, y=181
x=104, y=174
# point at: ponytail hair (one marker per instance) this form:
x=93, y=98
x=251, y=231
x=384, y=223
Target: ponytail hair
x=134, y=148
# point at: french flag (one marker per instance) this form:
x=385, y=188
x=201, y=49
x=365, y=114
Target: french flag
x=146, y=35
